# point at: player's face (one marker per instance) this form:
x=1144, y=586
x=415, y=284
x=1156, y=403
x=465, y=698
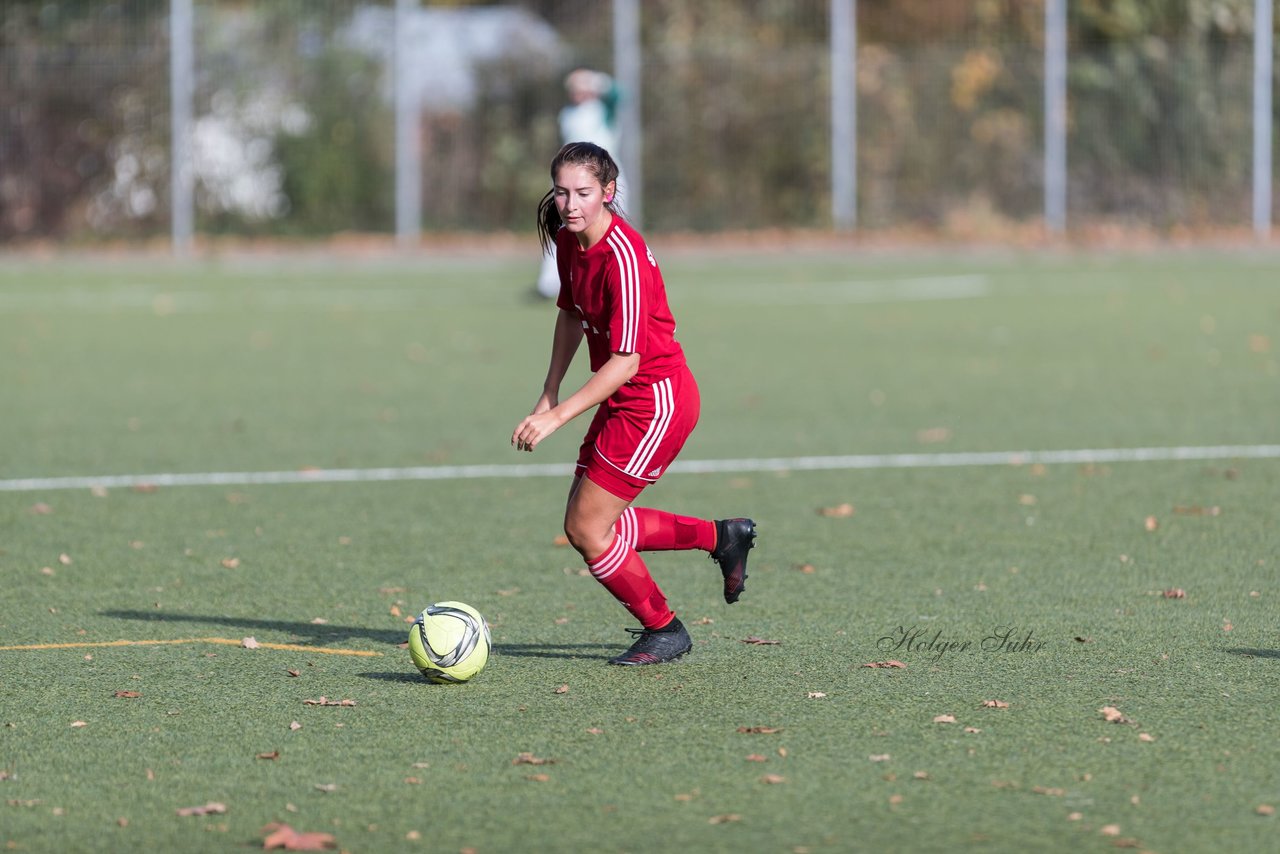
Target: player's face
x=580, y=201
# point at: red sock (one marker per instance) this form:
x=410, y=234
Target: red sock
x=656, y=530
x=623, y=573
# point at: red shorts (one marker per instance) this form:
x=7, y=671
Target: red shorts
x=637, y=433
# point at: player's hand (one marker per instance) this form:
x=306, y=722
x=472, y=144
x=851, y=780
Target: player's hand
x=526, y=436
x=534, y=429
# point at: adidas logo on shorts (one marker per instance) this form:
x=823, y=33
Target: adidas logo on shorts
x=656, y=472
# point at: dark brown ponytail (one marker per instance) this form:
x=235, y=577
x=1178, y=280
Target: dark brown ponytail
x=602, y=167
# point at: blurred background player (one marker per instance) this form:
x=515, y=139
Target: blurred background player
x=590, y=116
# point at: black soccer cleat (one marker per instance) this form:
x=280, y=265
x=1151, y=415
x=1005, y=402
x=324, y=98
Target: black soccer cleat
x=734, y=538
x=655, y=646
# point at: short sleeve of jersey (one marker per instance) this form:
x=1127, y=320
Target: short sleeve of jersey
x=628, y=290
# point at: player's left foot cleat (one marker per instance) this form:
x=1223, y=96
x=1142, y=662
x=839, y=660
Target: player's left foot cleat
x=734, y=538
x=655, y=646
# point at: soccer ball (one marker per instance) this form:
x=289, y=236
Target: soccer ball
x=449, y=642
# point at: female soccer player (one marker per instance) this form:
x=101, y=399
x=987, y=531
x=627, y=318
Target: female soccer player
x=611, y=293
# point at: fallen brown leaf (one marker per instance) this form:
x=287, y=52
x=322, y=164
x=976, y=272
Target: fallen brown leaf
x=879, y=757
x=759, y=730
x=127, y=695
x=1110, y=830
x=890, y=663
x=1151, y=523
x=724, y=819
x=933, y=435
x=1114, y=715
x=994, y=704
x=275, y=754
x=231, y=562
x=295, y=726
x=1197, y=510
x=560, y=540
x=773, y=779
x=806, y=568
x=972, y=730
x=839, y=511
x=211, y=808
x=325, y=701
x=1047, y=790
x=945, y=719
x=78, y=724
x=538, y=778
x=530, y=759
x=41, y=509
x=1175, y=593
x=293, y=672
x=760, y=641
x=249, y=643
x=756, y=757
x=1265, y=809
x=563, y=689
x=816, y=695
x=284, y=836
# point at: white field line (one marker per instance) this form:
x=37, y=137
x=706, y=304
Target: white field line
x=759, y=464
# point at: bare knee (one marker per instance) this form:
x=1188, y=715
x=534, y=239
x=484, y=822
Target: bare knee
x=588, y=537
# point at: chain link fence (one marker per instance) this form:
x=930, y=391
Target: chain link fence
x=293, y=129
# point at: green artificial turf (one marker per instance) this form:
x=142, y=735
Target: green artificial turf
x=1045, y=588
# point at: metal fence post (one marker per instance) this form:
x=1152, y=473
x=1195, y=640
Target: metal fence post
x=1263, y=47
x=1055, y=115
x=626, y=70
x=408, y=176
x=181, y=93
x=844, y=114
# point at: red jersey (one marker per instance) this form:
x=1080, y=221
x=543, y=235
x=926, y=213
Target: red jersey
x=615, y=289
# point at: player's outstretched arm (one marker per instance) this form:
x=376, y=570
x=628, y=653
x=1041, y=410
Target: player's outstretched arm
x=564, y=345
x=603, y=383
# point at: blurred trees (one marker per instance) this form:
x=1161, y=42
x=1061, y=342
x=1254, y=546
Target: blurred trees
x=295, y=132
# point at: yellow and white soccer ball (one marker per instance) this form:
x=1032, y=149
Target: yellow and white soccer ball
x=449, y=642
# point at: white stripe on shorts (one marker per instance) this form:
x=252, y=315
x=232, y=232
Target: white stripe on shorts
x=663, y=409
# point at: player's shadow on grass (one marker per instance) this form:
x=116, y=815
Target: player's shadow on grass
x=395, y=676
x=554, y=650
x=301, y=633
x=1256, y=653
